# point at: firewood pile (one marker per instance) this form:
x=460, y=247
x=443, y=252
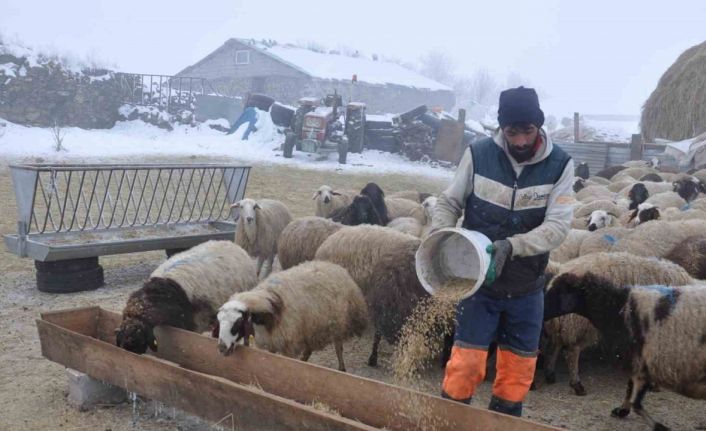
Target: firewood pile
x=417, y=140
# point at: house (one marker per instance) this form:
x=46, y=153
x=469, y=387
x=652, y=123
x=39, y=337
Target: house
x=287, y=73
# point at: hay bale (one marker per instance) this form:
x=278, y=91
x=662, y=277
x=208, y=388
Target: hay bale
x=675, y=109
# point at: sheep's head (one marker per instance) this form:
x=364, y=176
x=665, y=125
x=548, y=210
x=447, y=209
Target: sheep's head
x=579, y=183
x=135, y=336
x=582, y=170
x=325, y=195
x=687, y=188
x=637, y=195
x=655, y=162
x=429, y=205
x=234, y=326
x=600, y=219
x=644, y=213
x=363, y=211
x=247, y=214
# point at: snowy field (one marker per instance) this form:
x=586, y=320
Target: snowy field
x=132, y=139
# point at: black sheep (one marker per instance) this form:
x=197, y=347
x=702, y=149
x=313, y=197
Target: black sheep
x=377, y=196
x=582, y=170
x=360, y=211
x=637, y=195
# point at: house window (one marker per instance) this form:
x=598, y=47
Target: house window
x=242, y=57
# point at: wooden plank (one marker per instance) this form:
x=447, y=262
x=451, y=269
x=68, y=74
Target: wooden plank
x=81, y=320
x=369, y=401
x=209, y=397
x=449, y=141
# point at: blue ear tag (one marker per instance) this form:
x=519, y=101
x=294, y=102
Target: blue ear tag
x=685, y=207
x=490, y=274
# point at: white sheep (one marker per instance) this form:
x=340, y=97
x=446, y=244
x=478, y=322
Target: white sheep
x=412, y=225
x=635, y=173
x=185, y=292
x=301, y=238
x=382, y=262
x=664, y=324
x=656, y=238
x=617, y=186
x=296, y=312
x=575, y=333
x=607, y=205
x=652, y=188
x=592, y=193
x=666, y=200
x=259, y=226
x=599, y=181
x=412, y=195
x=327, y=200
x=600, y=219
x=400, y=207
x=602, y=240
x=569, y=248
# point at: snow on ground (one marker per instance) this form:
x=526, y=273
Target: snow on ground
x=617, y=129
x=133, y=139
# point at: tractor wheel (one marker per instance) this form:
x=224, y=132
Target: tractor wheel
x=343, y=150
x=288, y=146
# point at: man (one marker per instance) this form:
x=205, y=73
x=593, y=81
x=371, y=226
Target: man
x=516, y=189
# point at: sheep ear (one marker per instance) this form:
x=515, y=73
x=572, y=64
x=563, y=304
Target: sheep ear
x=235, y=205
x=675, y=186
x=316, y=195
x=588, y=220
x=633, y=214
x=151, y=341
x=335, y=193
x=257, y=206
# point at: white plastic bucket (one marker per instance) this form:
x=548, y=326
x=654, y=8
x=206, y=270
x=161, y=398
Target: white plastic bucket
x=452, y=253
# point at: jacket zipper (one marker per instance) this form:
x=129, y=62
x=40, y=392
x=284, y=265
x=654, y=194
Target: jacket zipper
x=514, y=192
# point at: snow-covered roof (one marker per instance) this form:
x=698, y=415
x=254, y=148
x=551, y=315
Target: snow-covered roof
x=341, y=67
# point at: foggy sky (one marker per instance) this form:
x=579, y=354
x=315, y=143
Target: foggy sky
x=599, y=57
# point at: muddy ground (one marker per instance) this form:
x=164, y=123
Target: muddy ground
x=33, y=389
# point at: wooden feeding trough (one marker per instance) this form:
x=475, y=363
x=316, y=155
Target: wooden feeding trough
x=260, y=390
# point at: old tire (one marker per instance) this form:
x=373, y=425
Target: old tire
x=288, y=146
x=67, y=276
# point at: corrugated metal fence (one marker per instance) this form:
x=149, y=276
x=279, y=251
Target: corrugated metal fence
x=600, y=155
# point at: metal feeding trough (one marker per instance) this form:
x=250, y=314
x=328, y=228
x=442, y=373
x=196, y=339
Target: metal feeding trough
x=69, y=215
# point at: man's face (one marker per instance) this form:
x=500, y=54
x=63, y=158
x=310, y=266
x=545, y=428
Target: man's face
x=521, y=140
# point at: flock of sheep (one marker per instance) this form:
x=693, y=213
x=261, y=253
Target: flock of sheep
x=630, y=267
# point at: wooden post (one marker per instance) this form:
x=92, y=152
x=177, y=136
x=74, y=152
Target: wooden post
x=462, y=116
x=636, y=147
x=577, y=132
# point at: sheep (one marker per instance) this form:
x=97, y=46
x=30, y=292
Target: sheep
x=301, y=238
x=683, y=213
x=377, y=197
x=327, y=200
x=667, y=177
x=651, y=188
x=582, y=170
x=259, y=227
x=637, y=164
x=607, y=205
x=652, y=177
x=579, y=184
x=697, y=204
x=690, y=254
x=664, y=326
x=296, y=312
x=579, y=223
x=575, y=333
x=412, y=195
x=610, y=171
x=185, y=292
x=569, y=248
x=361, y=211
x=635, y=173
x=688, y=188
x=400, y=207
x=602, y=240
x=656, y=238
x=617, y=186
x=700, y=175
x=666, y=200
x=591, y=193
x=601, y=219
x=408, y=225
x=359, y=249
x=599, y=181
x=643, y=213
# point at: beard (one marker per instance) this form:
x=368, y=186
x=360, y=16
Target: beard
x=521, y=154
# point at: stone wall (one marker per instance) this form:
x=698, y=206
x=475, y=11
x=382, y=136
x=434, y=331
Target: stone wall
x=40, y=95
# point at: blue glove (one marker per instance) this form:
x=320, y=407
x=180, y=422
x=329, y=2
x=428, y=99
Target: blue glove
x=499, y=252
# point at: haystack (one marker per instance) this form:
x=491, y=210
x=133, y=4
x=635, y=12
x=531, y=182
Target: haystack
x=676, y=110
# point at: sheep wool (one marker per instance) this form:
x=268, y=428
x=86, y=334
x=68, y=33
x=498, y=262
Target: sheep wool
x=301, y=238
x=657, y=238
x=400, y=207
x=569, y=249
x=602, y=240
x=666, y=200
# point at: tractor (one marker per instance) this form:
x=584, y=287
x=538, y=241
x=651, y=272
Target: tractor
x=321, y=130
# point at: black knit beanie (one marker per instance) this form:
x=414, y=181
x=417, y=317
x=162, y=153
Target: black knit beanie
x=520, y=105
